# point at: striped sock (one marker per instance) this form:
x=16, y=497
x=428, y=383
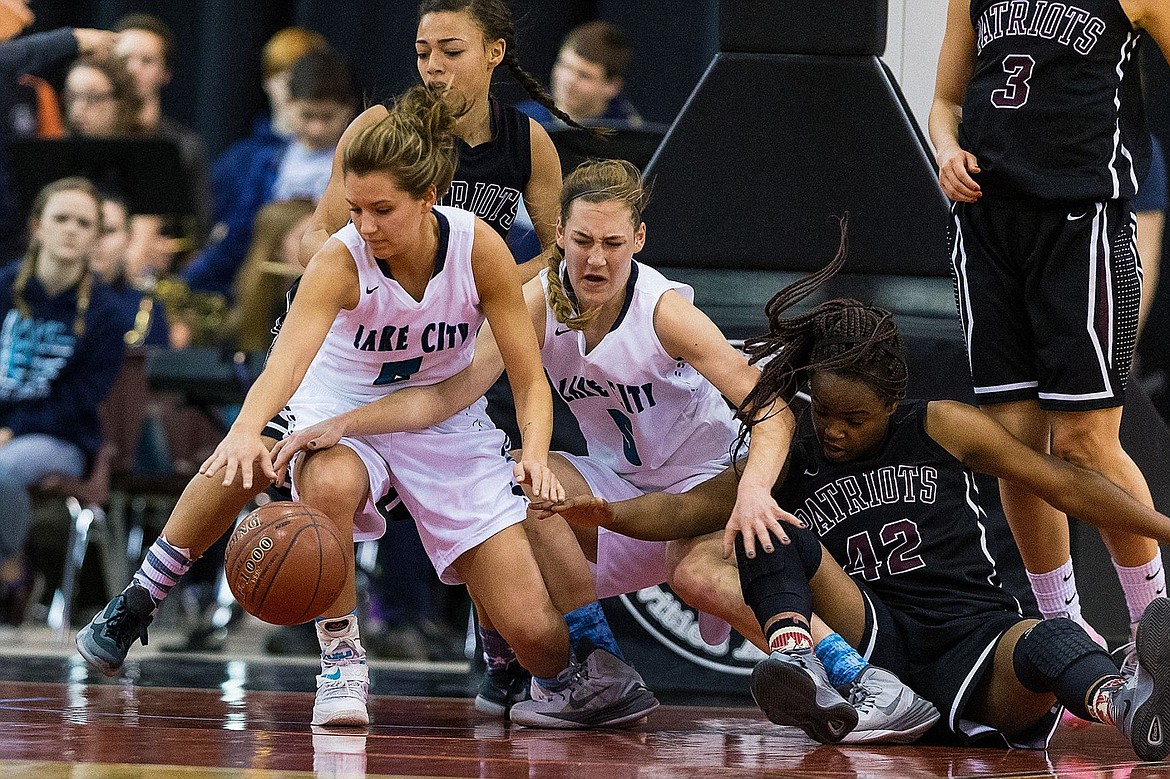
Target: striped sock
x=161, y=570
x=790, y=638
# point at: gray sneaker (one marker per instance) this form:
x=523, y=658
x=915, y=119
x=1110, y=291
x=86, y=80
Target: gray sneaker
x=1126, y=658
x=1141, y=708
x=602, y=691
x=888, y=712
x=107, y=638
x=793, y=688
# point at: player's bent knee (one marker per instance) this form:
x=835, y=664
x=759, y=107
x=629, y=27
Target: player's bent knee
x=687, y=571
x=1047, y=649
x=331, y=475
x=531, y=633
x=1086, y=448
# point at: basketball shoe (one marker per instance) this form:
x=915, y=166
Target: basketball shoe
x=107, y=638
x=793, y=688
x=888, y=712
x=502, y=687
x=1141, y=707
x=600, y=691
x=344, y=682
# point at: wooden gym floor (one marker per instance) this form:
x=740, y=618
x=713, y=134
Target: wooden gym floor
x=187, y=715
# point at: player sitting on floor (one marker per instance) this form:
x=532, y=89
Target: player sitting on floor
x=888, y=488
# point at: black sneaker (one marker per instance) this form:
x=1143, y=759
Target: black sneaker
x=107, y=638
x=502, y=687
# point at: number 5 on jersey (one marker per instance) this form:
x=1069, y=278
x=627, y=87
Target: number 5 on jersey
x=394, y=372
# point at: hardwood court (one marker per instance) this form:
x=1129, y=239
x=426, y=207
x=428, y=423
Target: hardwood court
x=190, y=716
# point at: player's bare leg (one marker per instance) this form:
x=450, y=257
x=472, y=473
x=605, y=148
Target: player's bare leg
x=204, y=512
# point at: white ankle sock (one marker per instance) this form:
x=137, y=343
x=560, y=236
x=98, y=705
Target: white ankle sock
x=1141, y=584
x=1056, y=592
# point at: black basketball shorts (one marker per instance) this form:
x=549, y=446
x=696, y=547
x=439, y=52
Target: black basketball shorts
x=1048, y=300
x=944, y=663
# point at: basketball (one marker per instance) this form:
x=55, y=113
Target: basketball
x=285, y=563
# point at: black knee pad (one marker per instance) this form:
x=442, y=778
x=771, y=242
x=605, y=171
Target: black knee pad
x=1049, y=648
x=778, y=581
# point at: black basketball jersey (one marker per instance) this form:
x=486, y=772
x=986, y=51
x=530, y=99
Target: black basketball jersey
x=492, y=176
x=1054, y=108
x=906, y=521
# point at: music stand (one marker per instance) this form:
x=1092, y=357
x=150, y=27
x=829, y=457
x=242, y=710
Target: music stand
x=148, y=173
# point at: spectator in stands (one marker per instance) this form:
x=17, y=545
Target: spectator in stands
x=145, y=42
x=60, y=350
x=588, y=78
x=100, y=99
x=144, y=317
x=270, y=132
x=28, y=104
x=322, y=101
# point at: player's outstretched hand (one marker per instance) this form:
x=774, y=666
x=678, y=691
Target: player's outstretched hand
x=239, y=452
x=544, y=487
x=754, y=515
x=319, y=436
x=955, y=171
x=580, y=510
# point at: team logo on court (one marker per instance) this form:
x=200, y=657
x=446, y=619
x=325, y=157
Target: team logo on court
x=675, y=625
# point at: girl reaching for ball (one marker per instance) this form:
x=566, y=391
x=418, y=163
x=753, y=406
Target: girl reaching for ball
x=392, y=300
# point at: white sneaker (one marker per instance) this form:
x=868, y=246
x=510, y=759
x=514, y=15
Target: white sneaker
x=888, y=712
x=341, y=696
x=602, y=691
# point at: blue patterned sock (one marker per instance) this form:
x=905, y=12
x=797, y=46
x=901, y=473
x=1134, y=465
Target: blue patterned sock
x=842, y=661
x=558, y=682
x=588, y=623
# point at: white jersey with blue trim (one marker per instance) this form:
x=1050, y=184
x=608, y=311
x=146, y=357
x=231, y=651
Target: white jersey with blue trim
x=646, y=414
x=390, y=340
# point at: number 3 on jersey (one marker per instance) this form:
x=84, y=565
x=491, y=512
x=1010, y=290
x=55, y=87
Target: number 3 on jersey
x=1015, y=92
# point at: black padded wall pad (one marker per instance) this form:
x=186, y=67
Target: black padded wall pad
x=770, y=146
x=803, y=26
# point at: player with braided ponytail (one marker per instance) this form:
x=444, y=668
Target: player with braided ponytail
x=503, y=155
x=394, y=300
x=889, y=549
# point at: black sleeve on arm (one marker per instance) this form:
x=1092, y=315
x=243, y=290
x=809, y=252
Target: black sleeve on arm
x=32, y=52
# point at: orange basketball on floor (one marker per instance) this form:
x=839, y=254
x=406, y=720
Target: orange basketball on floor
x=285, y=563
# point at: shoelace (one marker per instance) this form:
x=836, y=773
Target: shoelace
x=344, y=688
x=1128, y=655
x=121, y=628
x=353, y=644
x=862, y=698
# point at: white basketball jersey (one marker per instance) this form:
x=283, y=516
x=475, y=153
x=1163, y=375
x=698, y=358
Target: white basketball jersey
x=390, y=340
x=645, y=414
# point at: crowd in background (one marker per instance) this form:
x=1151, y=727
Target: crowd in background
x=214, y=273
x=205, y=264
